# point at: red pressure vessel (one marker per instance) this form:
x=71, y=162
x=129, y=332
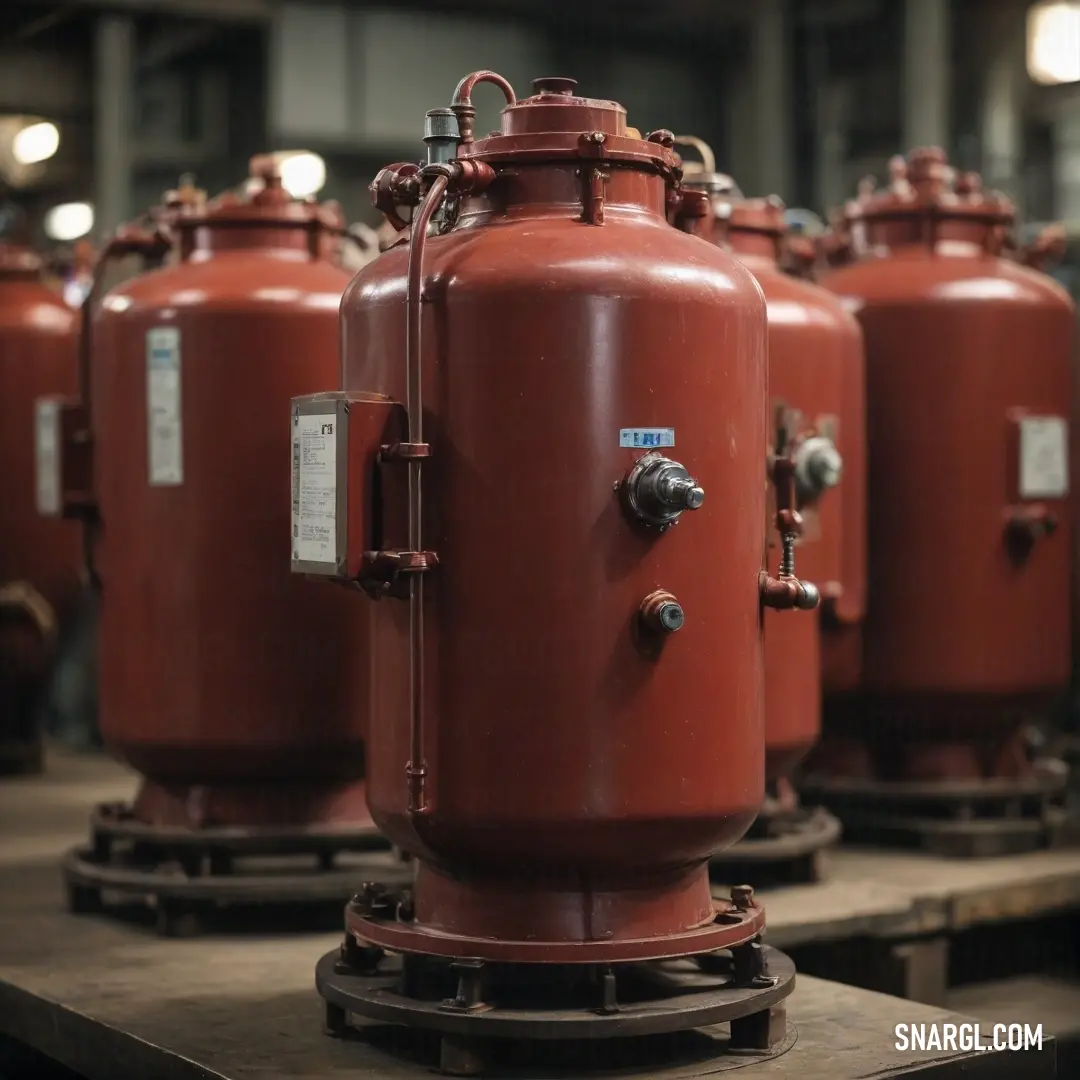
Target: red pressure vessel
x=225, y=681
x=39, y=557
x=968, y=391
x=816, y=392
x=558, y=750
x=38, y=334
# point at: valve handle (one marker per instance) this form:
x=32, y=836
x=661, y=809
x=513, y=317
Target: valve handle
x=786, y=591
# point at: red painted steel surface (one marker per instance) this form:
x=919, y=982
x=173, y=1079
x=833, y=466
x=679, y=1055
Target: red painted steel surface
x=577, y=783
x=816, y=368
x=226, y=681
x=38, y=341
x=964, y=635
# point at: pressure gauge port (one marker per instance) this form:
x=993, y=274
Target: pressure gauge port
x=662, y=613
x=441, y=136
x=657, y=490
x=818, y=467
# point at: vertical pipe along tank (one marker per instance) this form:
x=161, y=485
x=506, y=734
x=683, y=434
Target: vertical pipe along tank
x=968, y=389
x=39, y=556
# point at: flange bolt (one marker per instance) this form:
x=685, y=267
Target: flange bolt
x=742, y=896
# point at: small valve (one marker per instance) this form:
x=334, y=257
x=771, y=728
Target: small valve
x=786, y=591
x=441, y=135
x=818, y=467
x=1025, y=526
x=662, y=613
x=657, y=490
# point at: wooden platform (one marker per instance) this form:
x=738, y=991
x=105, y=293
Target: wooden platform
x=885, y=919
x=113, y=1001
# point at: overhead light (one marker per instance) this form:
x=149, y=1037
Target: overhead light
x=303, y=173
x=35, y=142
x=1053, y=42
x=69, y=221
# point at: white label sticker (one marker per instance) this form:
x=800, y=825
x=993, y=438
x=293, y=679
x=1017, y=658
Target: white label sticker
x=314, y=488
x=646, y=437
x=1044, y=457
x=164, y=423
x=47, y=456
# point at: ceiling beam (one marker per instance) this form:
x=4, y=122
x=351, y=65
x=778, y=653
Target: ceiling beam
x=219, y=10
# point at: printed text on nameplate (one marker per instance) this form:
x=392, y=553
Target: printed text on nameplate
x=646, y=438
x=164, y=420
x=314, y=488
x=47, y=456
x=1044, y=457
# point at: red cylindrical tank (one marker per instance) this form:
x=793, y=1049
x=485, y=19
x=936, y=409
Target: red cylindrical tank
x=224, y=680
x=816, y=395
x=968, y=391
x=38, y=344
x=560, y=760
x=39, y=557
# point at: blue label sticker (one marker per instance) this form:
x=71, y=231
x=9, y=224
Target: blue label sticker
x=646, y=438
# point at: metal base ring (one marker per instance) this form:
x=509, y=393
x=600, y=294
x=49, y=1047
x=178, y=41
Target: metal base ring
x=466, y=1004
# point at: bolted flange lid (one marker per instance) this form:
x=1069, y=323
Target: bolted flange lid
x=925, y=184
x=555, y=123
x=262, y=202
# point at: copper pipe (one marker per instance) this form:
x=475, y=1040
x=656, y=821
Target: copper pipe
x=416, y=769
x=462, y=105
x=708, y=158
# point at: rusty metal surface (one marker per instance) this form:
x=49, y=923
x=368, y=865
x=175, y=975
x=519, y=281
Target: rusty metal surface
x=228, y=683
x=532, y=775
x=117, y=1003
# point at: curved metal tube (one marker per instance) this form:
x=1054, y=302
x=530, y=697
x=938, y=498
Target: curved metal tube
x=22, y=596
x=708, y=158
x=463, y=92
x=462, y=105
x=416, y=769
